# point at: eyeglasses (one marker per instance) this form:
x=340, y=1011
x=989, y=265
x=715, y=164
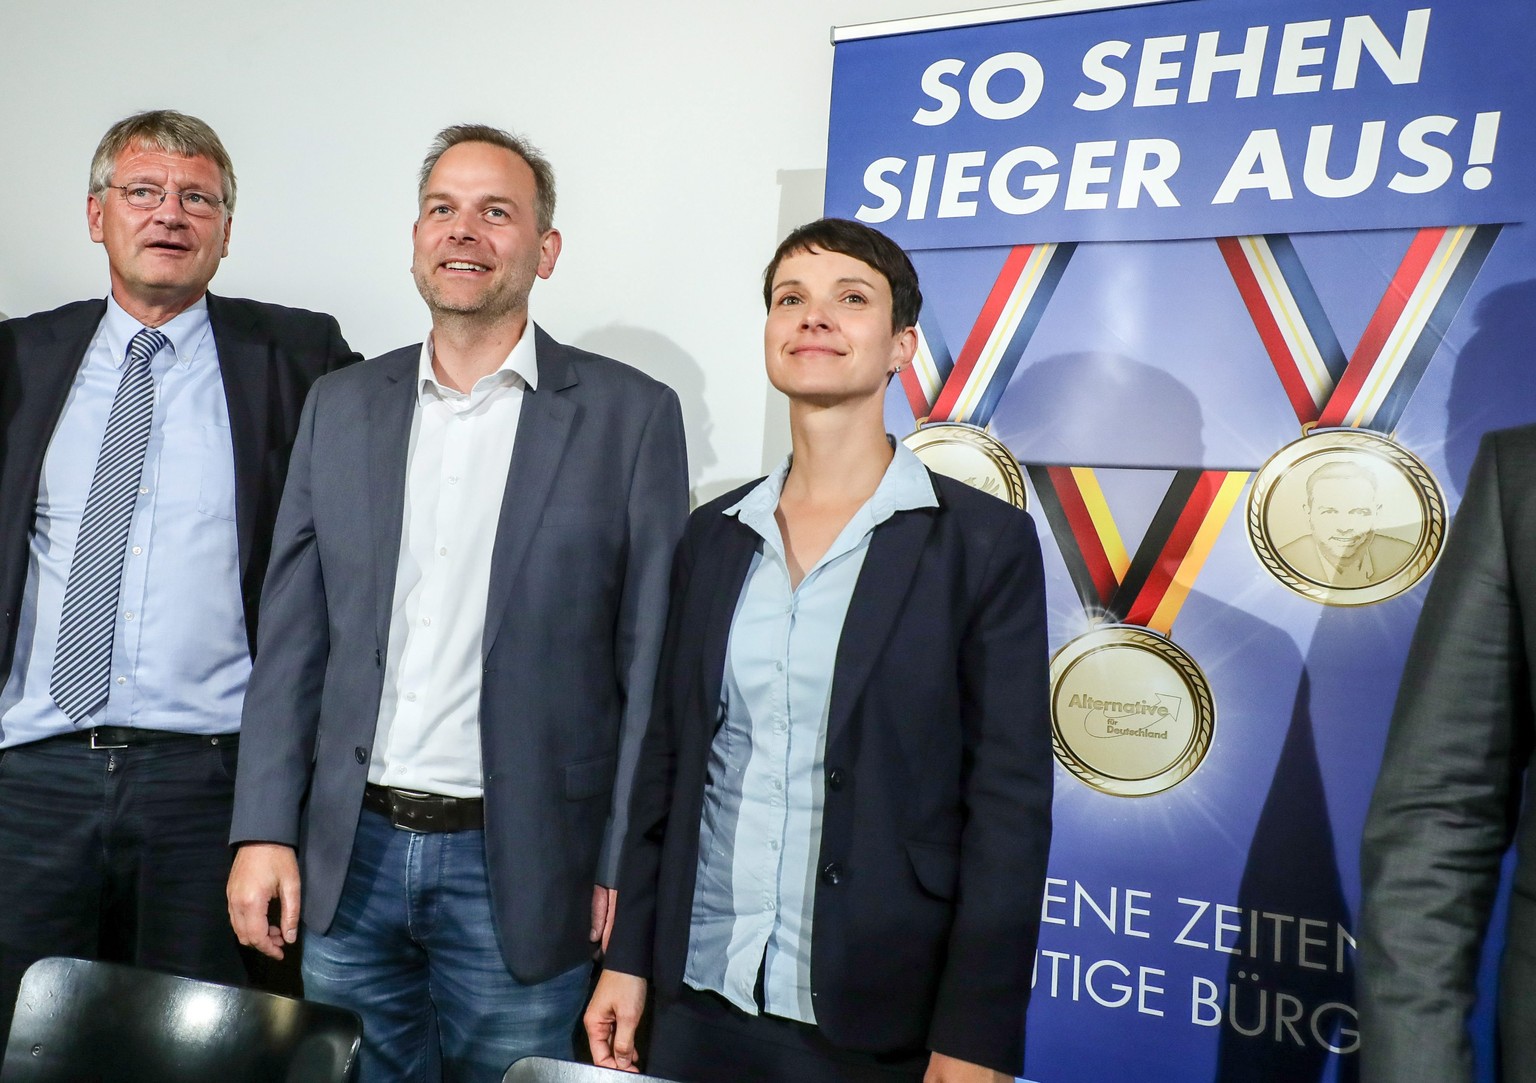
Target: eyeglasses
x=146, y=197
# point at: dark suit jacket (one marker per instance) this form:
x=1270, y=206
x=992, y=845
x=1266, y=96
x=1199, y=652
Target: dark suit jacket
x=595, y=499
x=1447, y=801
x=268, y=358
x=938, y=784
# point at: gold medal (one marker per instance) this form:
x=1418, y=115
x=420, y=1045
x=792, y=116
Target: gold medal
x=953, y=398
x=972, y=455
x=1346, y=517
x=1131, y=712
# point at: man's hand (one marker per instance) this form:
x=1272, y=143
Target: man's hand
x=604, y=902
x=611, y=1019
x=264, y=871
x=942, y=1069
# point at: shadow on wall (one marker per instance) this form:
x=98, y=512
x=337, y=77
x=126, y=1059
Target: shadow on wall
x=1505, y=316
x=658, y=356
x=1054, y=412
x=1293, y=871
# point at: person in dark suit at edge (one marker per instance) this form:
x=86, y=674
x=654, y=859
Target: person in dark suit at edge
x=146, y=438
x=841, y=816
x=1453, y=794
x=459, y=640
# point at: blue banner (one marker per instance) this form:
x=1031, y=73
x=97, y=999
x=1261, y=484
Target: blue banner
x=1254, y=220
x=1192, y=119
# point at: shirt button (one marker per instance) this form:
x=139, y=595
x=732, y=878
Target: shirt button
x=426, y=621
x=360, y=754
x=453, y=480
x=779, y=666
x=831, y=874
x=128, y=615
x=143, y=490
x=411, y=696
x=122, y=680
x=137, y=549
x=773, y=844
x=443, y=551
x=835, y=778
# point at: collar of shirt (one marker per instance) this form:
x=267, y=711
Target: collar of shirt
x=186, y=332
x=521, y=366
x=905, y=486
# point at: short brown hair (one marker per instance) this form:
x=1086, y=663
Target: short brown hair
x=867, y=245
x=543, y=172
x=167, y=130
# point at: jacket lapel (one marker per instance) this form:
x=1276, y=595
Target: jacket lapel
x=885, y=581
x=389, y=439
x=43, y=380
x=731, y=559
x=244, y=367
x=544, y=425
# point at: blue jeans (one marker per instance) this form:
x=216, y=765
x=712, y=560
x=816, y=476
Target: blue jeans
x=413, y=950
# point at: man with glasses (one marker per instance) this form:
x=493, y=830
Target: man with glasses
x=145, y=441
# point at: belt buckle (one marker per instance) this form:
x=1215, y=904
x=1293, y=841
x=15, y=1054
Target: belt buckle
x=96, y=741
x=407, y=811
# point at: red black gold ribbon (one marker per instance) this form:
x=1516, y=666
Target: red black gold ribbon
x=1149, y=588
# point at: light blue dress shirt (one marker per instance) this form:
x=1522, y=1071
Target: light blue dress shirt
x=180, y=659
x=760, y=835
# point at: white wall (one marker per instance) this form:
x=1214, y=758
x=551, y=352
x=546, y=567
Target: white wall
x=688, y=137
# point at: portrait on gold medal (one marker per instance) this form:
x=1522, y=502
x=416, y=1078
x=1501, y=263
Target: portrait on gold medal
x=1350, y=527
x=1346, y=518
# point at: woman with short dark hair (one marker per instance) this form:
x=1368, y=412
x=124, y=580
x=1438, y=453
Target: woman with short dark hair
x=842, y=810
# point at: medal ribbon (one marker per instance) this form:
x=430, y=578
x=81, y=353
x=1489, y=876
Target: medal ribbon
x=969, y=387
x=1149, y=588
x=1372, y=388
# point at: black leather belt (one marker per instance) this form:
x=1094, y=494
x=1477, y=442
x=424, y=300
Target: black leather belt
x=417, y=811
x=109, y=737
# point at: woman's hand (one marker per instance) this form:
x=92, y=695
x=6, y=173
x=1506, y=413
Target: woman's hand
x=611, y=1019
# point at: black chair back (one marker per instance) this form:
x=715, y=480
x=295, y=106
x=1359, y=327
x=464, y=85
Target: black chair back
x=549, y=1070
x=87, y=1022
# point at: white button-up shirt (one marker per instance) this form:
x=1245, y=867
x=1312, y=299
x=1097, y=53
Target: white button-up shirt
x=428, y=734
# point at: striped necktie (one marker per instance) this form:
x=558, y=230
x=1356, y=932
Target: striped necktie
x=82, y=664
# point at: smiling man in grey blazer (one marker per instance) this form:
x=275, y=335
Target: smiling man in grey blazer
x=459, y=639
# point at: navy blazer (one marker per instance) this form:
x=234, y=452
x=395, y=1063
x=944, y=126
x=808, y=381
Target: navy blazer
x=595, y=499
x=938, y=779
x=268, y=358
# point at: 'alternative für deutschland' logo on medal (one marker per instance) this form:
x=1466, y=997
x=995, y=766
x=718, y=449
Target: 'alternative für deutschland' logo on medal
x=1131, y=712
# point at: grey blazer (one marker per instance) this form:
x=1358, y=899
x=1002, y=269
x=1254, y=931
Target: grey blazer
x=1447, y=802
x=595, y=500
